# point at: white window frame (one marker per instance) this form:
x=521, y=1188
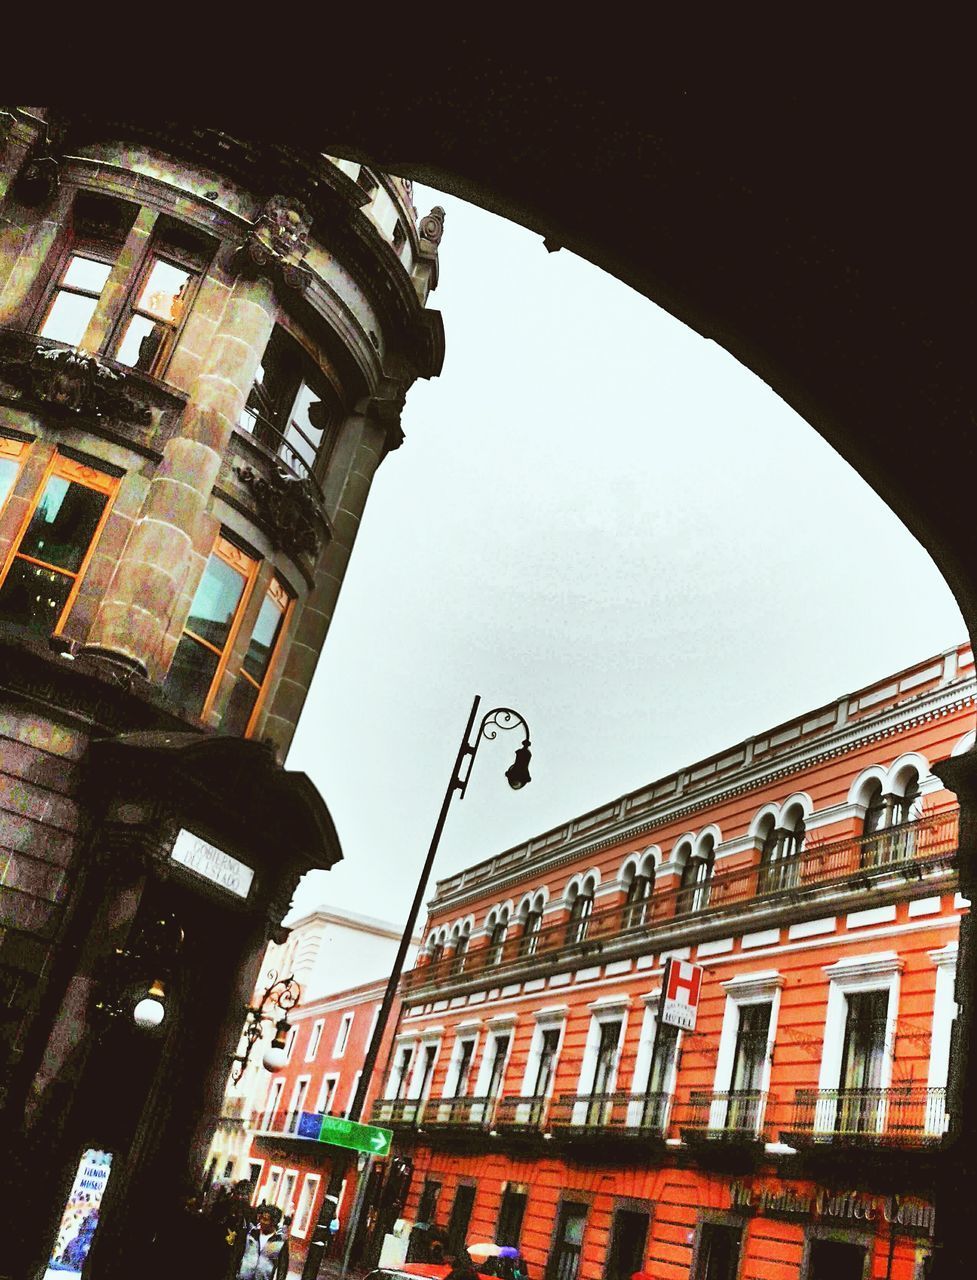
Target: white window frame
x=293, y=1035
x=642, y=1061
x=296, y=1089
x=609, y=1009
x=352, y=1094
x=745, y=989
x=315, y=1039
x=342, y=1035
x=395, y=1081
x=283, y=1199
x=255, y=1178
x=272, y=1103
x=274, y=1175
x=502, y=1025
x=553, y=1019
x=855, y=974
x=330, y=1078
x=310, y=1183
x=465, y=1033
x=414, y=1093
x=944, y=1012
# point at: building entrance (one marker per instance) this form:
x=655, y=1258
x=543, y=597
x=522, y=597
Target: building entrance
x=836, y=1260
x=564, y=1261
x=719, y=1252
x=629, y=1238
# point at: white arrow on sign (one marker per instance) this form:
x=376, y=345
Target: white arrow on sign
x=378, y=1141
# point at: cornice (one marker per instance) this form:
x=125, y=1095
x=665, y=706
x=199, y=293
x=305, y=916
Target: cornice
x=838, y=741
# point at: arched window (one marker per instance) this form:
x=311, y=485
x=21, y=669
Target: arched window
x=638, y=890
x=898, y=808
x=696, y=874
x=780, y=850
x=461, y=948
x=580, y=910
x=497, y=937
x=437, y=950
x=531, y=919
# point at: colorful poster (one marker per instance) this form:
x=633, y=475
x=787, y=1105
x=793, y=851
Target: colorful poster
x=80, y=1217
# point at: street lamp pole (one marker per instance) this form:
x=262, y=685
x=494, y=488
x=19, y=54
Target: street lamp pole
x=517, y=775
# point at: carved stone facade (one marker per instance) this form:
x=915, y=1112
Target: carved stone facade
x=182, y=408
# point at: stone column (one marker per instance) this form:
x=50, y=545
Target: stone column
x=151, y=590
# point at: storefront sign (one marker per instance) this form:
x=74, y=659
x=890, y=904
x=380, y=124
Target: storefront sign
x=681, y=987
x=213, y=864
x=912, y=1216
x=80, y=1217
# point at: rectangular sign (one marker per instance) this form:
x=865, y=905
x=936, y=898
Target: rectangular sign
x=194, y=853
x=681, y=988
x=80, y=1217
x=357, y=1137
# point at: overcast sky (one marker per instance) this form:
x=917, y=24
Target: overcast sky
x=600, y=519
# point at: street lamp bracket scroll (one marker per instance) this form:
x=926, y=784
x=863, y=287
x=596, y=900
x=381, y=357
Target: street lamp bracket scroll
x=280, y=993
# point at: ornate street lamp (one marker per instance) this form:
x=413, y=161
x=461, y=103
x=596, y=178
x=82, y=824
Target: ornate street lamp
x=283, y=994
x=517, y=775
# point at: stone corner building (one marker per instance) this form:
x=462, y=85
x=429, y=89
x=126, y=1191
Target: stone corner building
x=205, y=346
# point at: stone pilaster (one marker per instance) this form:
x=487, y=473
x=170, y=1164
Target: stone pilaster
x=146, y=603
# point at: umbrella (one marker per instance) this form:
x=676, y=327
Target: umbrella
x=485, y=1250
x=507, y=1251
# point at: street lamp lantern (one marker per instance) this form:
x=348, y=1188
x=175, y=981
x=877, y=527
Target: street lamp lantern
x=281, y=993
x=517, y=773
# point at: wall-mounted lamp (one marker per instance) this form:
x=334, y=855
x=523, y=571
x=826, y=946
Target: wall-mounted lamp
x=132, y=984
x=281, y=993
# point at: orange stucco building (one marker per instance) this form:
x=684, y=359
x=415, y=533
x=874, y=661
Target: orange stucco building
x=796, y=1132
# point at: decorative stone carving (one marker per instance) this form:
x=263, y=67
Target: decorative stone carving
x=39, y=180
x=385, y=408
x=277, y=244
x=431, y=226
x=72, y=382
x=288, y=508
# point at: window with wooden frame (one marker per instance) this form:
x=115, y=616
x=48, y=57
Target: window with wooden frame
x=12, y=456
x=47, y=563
x=160, y=296
x=96, y=231
x=292, y=409
x=244, y=704
x=215, y=615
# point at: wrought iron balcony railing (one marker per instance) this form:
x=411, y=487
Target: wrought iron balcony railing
x=903, y=1115
x=911, y=851
x=610, y=1112
x=734, y=1114
x=526, y=1113
x=465, y=1113
x=288, y=1123
x=399, y=1113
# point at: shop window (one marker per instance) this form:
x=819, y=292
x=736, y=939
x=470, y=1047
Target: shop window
x=564, y=1260
x=717, y=1255
x=47, y=563
x=242, y=708
x=201, y=655
x=291, y=409
x=97, y=228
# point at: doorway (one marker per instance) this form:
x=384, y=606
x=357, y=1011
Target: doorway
x=461, y=1216
x=564, y=1260
x=719, y=1252
x=629, y=1239
x=836, y=1260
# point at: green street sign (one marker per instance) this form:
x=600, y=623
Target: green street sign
x=357, y=1137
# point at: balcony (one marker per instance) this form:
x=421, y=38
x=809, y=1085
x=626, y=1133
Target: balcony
x=521, y=1114
x=629, y=1114
x=288, y=1124
x=736, y=1116
x=458, y=1113
x=909, y=852
x=398, y=1113
x=901, y=1116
